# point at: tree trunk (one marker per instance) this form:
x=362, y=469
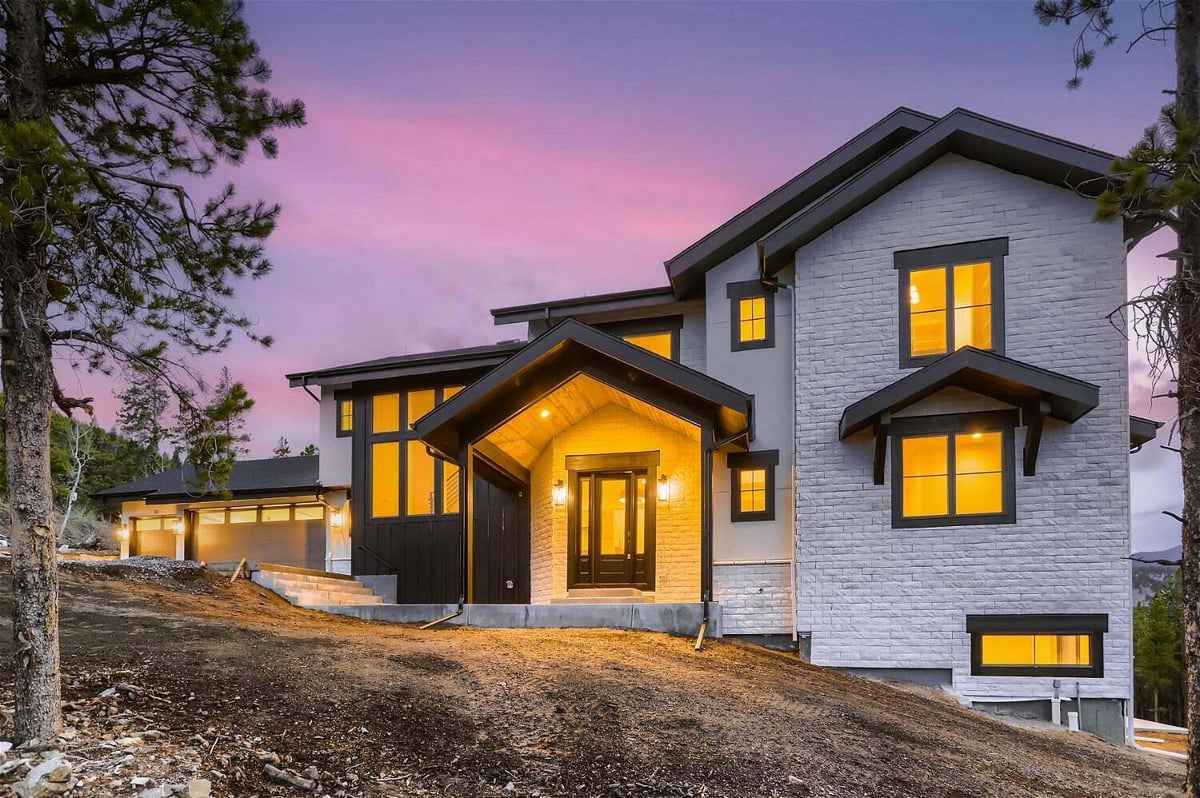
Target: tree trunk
x=26, y=369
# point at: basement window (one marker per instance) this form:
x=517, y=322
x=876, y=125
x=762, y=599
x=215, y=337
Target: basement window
x=1037, y=645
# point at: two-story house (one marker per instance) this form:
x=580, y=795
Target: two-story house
x=881, y=413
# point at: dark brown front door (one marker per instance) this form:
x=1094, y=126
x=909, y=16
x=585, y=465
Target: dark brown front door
x=612, y=530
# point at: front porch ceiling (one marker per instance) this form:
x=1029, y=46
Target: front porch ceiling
x=525, y=435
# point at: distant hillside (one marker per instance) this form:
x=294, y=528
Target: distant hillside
x=1148, y=578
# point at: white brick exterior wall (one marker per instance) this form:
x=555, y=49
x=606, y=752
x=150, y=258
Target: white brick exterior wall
x=755, y=598
x=873, y=596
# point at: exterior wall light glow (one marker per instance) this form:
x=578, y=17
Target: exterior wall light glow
x=664, y=488
x=123, y=532
x=559, y=493
x=335, y=519
x=178, y=526
x=545, y=412
x=914, y=296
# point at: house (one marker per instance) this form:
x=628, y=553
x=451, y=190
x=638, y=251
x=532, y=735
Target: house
x=880, y=415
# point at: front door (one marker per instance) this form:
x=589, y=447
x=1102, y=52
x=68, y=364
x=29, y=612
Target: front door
x=612, y=530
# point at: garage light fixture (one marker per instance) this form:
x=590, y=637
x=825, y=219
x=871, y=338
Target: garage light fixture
x=335, y=519
x=123, y=532
x=178, y=525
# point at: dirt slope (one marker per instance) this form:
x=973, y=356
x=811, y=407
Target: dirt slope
x=384, y=710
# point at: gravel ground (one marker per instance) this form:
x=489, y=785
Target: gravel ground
x=227, y=679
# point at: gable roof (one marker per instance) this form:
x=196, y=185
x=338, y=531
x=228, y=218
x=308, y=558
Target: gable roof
x=1009, y=147
x=279, y=476
x=559, y=354
x=579, y=305
x=686, y=269
x=984, y=373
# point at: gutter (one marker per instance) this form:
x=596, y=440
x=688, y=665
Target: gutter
x=307, y=390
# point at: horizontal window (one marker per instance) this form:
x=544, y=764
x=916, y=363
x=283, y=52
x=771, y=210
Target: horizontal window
x=310, y=512
x=211, y=517
x=953, y=470
x=660, y=343
x=243, y=516
x=276, y=514
x=1037, y=645
x=148, y=524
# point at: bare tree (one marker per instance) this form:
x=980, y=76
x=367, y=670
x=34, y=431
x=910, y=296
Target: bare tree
x=79, y=449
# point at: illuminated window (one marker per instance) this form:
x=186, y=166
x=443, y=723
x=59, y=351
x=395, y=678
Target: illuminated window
x=310, y=512
x=207, y=517
x=450, y=391
x=951, y=297
x=345, y=416
x=419, y=496
x=385, y=479
x=449, y=488
x=385, y=413
x=751, y=315
x=660, y=343
x=243, y=516
x=952, y=470
x=1034, y=645
x=752, y=485
x=148, y=524
x=419, y=403
x=277, y=514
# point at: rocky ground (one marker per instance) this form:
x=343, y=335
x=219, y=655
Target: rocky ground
x=178, y=683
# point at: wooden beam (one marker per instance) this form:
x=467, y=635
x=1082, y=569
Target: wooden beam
x=882, y=426
x=1035, y=420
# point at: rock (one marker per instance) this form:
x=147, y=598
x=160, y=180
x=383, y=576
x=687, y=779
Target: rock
x=510, y=787
x=199, y=788
x=270, y=757
x=50, y=778
x=311, y=772
x=288, y=777
x=139, y=781
x=152, y=734
x=129, y=742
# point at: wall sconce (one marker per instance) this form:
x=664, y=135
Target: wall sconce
x=559, y=493
x=335, y=519
x=664, y=488
x=123, y=532
x=178, y=526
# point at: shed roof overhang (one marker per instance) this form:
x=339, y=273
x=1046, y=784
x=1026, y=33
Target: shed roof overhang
x=566, y=351
x=1036, y=391
x=1142, y=431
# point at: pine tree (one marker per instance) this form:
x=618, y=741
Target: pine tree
x=107, y=111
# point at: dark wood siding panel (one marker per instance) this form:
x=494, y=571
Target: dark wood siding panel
x=500, y=526
x=422, y=553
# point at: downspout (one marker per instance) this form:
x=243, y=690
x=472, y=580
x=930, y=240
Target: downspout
x=304, y=385
x=706, y=514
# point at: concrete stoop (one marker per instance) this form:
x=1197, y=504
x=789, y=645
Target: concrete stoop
x=314, y=590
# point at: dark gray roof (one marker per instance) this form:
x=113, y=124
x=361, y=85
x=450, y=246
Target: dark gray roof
x=1014, y=149
x=686, y=268
x=1142, y=430
x=281, y=476
x=596, y=303
x=410, y=365
x=984, y=373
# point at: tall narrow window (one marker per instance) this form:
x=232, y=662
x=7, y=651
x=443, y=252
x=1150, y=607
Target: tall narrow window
x=345, y=416
x=953, y=470
x=450, y=491
x=385, y=479
x=751, y=315
x=951, y=297
x=419, y=496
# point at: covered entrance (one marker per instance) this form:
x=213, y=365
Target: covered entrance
x=589, y=462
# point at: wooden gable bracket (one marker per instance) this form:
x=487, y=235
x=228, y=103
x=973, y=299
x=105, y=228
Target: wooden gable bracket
x=1034, y=419
x=882, y=427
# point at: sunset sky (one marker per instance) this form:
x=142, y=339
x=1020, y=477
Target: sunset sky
x=463, y=156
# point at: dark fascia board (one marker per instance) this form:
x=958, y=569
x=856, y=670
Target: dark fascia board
x=984, y=373
x=587, y=338
x=1014, y=149
x=424, y=363
x=1063, y=623
x=686, y=269
x=1142, y=430
x=584, y=305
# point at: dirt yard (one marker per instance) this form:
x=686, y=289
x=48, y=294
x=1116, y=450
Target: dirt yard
x=167, y=680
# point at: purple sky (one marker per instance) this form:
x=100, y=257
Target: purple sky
x=463, y=156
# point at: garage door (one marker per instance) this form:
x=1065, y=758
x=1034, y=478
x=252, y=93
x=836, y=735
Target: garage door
x=282, y=534
x=153, y=536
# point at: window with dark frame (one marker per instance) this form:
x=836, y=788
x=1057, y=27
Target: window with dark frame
x=1037, y=645
x=751, y=315
x=950, y=297
x=659, y=335
x=345, y=415
x=404, y=479
x=953, y=470
x=752, y=485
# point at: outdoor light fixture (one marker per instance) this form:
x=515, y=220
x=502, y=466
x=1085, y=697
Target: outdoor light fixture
x=178, y=525
x=335, y=519
x=664, y=488
x=123, y=532
x=559, y=493
x=976, y=435
x=914, y=296
x=545, y=412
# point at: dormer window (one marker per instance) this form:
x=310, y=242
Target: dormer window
x=751, y=315
x=951, y=297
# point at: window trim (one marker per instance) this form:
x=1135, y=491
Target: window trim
x=338, y=398
x=767, y=459
x=402, y=436
x=1093, y=624
x=991, y=250
x=749, y=289
x=1002, y=421
x=672, y=325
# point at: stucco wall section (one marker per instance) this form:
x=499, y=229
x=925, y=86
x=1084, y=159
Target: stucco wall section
x=874, y=596
x=614, y=429
x=336, y=453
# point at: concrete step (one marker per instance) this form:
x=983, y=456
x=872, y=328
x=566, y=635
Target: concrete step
x=275, y=581
x=314, y=590
x=298, y=577
x=322, y=598
x=603, y=600
x=588, y=592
